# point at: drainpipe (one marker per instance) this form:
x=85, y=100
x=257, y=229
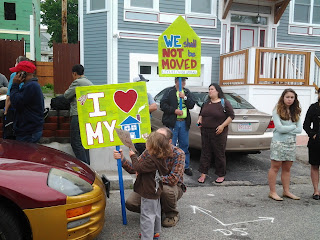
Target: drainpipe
x=112, y=42
x=312, y=68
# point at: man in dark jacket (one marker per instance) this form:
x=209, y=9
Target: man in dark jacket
x=28, y=102
x=177, y=120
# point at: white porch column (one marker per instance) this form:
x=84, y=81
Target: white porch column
x=80, y=18
x=251, y=65
x=312, y=68
x=32, y=47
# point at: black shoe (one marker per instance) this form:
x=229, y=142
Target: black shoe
x=188, y=171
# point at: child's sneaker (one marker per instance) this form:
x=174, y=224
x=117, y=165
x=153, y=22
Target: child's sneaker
x=156, y=236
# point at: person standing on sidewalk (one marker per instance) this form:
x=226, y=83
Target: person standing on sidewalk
x=75, y=138
x=287, y=121
x=28, y=102
x=177, y=120
x=313, y=119
x=9, y=111
x=215, y=116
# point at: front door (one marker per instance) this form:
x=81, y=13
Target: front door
x=248, y=36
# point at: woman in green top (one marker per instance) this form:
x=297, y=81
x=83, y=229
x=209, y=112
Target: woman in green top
x=286, y=118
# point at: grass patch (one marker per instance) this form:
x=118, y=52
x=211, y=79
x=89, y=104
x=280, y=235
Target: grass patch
x=47, y=90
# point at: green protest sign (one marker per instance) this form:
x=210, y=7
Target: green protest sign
x=179, y=51
x=103, y=108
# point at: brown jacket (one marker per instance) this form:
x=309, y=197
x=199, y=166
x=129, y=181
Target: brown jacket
x=146, y=184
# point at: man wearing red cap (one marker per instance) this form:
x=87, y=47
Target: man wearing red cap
x=28, y=102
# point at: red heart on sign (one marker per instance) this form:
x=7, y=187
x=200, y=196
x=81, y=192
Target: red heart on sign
x=125, y=100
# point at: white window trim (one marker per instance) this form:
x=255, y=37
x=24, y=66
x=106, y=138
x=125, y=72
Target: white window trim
x=213, y=9
x=106, y=9
x=155, y=8
x=291, y=15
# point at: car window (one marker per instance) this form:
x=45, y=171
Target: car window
x=200, y=97
x=238, y=102
x=159, y=96
x=235, y=100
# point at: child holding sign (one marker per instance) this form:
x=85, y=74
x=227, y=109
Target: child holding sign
x=149, y=183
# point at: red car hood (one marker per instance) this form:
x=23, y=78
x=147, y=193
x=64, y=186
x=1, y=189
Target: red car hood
x=24, y=169
x=40, y=155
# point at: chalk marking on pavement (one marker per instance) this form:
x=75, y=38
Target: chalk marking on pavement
x=227, y=232
x=211, y=195
x=207, y=212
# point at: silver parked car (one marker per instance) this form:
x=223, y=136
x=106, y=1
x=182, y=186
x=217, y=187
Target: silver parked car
x=250, y=131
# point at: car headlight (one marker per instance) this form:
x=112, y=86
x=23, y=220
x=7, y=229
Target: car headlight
x=67, y=183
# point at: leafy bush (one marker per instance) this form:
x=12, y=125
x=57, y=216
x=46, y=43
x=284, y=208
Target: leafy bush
x=48, y=88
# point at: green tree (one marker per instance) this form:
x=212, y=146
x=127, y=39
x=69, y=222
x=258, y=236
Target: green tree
x=51, y=17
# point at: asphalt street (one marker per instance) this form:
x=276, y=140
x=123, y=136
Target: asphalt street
x=237, y=209
x=250, y=169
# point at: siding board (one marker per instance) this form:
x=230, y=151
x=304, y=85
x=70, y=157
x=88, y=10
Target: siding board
x=284, y=36
x=95, y=46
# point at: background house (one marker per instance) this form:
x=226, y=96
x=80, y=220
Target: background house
x=46, y=51
x=21, y=19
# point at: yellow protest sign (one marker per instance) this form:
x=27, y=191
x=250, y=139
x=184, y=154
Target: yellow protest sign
x=103, y=108
x=179, y=51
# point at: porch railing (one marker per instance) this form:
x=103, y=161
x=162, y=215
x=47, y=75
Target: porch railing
x=266, y=66
x=282, y=67
x=233, y=68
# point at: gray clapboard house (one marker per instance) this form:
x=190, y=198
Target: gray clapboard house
x=254, y=47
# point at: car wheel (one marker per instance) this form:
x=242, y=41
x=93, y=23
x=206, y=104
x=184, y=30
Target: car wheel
x=9, y=225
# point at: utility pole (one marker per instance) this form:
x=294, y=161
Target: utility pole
x=64, y=21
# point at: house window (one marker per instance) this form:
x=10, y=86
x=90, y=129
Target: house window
x=145, y=69
x=142, y=4
x=96, y=5
x=9, y=11
x=207, y=7
x=306, y=11
x=231, y=39
x=248, y=19
x=262, y=38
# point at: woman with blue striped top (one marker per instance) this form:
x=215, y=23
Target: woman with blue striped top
x=287, y=121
